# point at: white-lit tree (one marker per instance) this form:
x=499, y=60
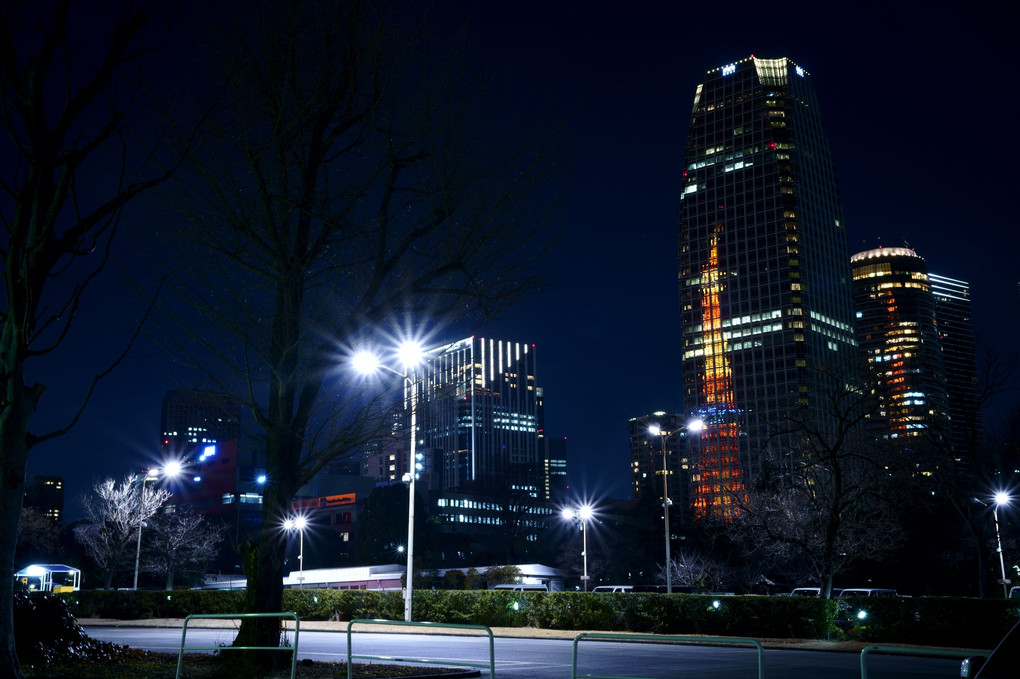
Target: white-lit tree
x=114, y=512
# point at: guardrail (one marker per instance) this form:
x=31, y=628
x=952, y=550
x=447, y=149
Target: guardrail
x=426, y=625
x=240, y=616
x=910, y=650
x=660, y=638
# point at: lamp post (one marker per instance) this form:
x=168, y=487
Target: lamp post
x=584, y=512
x=1001, y=498
x=170, y=470
x=410, y=355
x=141, y=519
x=298, y=523
x=656, y=430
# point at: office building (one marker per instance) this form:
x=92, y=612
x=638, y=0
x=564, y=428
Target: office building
x=555, y=469
x=194, y=417
x=46, y=496
x=480, y=446
x=221, y=479
x=764, y=271
x=899, y=342
x=478, y=415
x=956, y=335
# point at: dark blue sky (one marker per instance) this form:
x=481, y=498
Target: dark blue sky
x=919, y=105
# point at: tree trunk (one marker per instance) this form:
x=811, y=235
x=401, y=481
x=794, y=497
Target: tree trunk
x=262, y=561
x=11, y=496
x=14, y=417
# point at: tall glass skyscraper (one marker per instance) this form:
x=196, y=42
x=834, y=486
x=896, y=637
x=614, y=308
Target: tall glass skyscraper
x=899, y=340
x=764, y=269
x=956, y=335
x=479, y=414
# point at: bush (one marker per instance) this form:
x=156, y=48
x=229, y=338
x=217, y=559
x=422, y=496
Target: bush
x=967, y=623
x=46, y=633
x=929, y=621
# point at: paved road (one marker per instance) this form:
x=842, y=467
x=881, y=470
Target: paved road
x=521, y=658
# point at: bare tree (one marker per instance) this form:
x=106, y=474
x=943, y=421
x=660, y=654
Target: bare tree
x=65, y=104
x=343, y=194
x=180, y=543
x=694, y=570
x=823, y=498
x=38, y=536
x=114, y=512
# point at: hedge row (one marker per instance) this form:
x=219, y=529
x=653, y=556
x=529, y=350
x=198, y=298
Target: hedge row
x=968, y=623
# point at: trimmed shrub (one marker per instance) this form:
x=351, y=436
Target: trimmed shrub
x=966, y=623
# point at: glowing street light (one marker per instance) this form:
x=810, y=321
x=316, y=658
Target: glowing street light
x=409, y=354
x=1001, y=498
x=582, y=513
x=298, y=523
x=170, y=470
x=656, y=430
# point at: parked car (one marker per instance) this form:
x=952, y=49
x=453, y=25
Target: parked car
x=613, y=588
x=523, y=588
x=867, y=591
x=661, y=589
x=812, y=591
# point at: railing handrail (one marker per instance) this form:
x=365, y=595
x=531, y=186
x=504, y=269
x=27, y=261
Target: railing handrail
x=236, y=616
x=913, y=650
x=427, y=625
x=661, y=638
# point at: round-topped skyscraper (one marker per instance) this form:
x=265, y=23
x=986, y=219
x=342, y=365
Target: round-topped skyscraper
x=899, y=340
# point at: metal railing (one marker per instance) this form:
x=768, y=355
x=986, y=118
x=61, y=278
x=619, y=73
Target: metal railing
x=241, y=616
x=427, y=661
x=911, y=650
x=661, y=638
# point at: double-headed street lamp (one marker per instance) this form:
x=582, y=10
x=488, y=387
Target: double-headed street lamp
x=410, y=355
x=1001, y=498
x=582, y=513
x=298, y=523
x=170, y=470
x=656, y=430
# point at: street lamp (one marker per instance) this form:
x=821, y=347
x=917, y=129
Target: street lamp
x=410, y=355
x=656, y=430
x=1001, y=498
x=298, y=523
x=170, y=470
x=584, y=512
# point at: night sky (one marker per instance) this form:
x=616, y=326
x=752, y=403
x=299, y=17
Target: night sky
x=920, y=106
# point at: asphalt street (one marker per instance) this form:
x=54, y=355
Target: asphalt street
x=551, y=658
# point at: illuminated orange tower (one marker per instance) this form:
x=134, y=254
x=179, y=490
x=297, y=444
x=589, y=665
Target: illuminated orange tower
x=717, y=481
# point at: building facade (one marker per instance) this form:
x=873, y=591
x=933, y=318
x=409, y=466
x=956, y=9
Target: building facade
x=763, y=269
x=956, y=335
x=899, y=342
x=479, y=415
x=480, y=446
x=555, y=468
x=46, y=496
x=221, y=480
x=193, y=417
